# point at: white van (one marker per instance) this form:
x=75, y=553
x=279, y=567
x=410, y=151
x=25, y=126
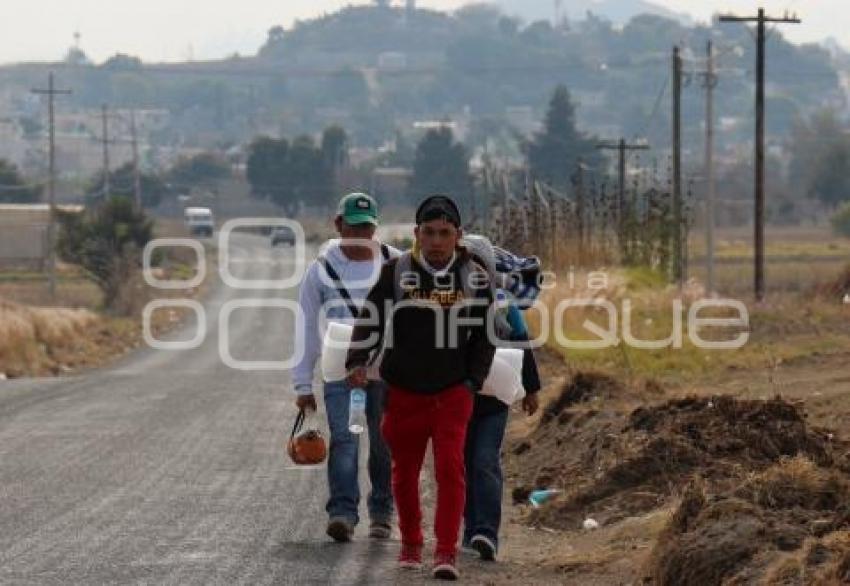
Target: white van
x=199, y=221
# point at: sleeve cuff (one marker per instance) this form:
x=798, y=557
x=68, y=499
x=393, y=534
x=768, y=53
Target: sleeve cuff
x=303, y=390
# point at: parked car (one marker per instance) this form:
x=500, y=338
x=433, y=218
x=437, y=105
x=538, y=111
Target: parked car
x=282, y=235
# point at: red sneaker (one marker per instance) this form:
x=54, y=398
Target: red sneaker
x=445, y=567
x=410, y=557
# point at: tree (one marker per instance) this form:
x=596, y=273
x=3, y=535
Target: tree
x=309, y=177
x=199, y=170
x=123, y=62
x=346, y=88
x=76, y=56
x=31, y=127
x=122, y=183
x=335, y=148
x=13, y=187
x=334, y=154
x=820, y=154
x=441, y=165
x=289, y=174
x=479, y=17
x=554, y=153
x=266, y=169
x=830, y=182
x=106, y=242
x=276, y=34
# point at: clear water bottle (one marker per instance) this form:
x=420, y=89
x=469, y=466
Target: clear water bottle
x=357, y=411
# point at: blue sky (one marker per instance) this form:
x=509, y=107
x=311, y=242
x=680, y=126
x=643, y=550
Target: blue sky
x=175, y=30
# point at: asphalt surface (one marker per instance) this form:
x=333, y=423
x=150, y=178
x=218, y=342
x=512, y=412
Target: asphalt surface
x=168, y=467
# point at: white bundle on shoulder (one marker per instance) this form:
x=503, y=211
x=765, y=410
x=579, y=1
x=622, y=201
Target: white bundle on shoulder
x=335, y=351
x=503, y=382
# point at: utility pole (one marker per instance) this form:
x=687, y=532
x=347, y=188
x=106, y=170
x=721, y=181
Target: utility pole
x=137, y=178
x=709, y=83
x=761, y=20
x=105, y=139
x=622, y=147
x=51, y=92
x=678, y=272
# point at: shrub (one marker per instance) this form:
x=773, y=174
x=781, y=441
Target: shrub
x=841, y=220
x=106, y=241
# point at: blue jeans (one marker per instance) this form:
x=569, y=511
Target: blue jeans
x=483, y=513
x=343, y=457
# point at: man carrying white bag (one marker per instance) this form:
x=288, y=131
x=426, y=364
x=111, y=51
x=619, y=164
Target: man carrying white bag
x=333, y=290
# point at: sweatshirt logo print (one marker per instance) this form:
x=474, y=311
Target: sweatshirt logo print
x=442, y=297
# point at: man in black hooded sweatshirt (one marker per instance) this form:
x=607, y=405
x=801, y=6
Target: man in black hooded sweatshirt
x=435, y=289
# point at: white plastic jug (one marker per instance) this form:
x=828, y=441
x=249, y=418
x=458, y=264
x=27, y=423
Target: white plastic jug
x=505, y=378
x=335, y=351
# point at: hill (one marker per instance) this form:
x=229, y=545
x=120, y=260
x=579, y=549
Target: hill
x=377, y=69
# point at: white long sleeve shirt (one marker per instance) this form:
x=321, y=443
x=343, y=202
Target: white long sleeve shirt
x=319, y=297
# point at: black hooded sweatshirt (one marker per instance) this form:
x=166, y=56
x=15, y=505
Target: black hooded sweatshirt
x=414, y=362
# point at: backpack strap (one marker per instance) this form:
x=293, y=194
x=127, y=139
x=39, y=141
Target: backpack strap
x=465, y=271
x=343, y=292
x=403, y=265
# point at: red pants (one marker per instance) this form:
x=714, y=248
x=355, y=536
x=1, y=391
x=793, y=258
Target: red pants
x=410, y=420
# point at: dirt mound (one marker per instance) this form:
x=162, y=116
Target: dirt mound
x=612, y=465
x=786, y=525
x=723, y=426
x=584, y=387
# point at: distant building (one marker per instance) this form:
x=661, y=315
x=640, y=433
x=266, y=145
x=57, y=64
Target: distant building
x=23, y=233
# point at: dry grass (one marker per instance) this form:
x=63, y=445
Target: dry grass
x=30, y=287
x=785, y=327
x=822, y=562
x=32, y=338
x=796, y=482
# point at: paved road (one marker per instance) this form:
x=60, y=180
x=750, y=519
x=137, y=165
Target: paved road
x=168, y=467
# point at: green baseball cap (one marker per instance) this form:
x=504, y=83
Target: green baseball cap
x=358, y=208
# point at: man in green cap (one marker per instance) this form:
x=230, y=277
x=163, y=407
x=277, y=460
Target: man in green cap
x=334, y=288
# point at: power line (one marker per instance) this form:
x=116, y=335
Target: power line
x=656, y=107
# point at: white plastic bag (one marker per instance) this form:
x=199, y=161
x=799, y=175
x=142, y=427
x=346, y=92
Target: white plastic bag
x=505, y=379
